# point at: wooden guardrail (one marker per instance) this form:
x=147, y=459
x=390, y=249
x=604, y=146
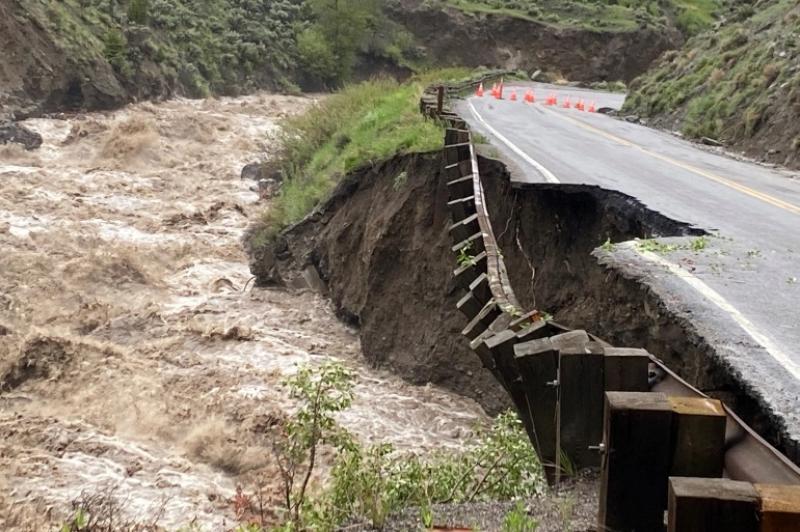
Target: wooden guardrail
x=660, y=443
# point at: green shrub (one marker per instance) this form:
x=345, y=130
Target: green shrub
x=317, y=57
x=137, y=12
x=368, y=484
x=115, y=49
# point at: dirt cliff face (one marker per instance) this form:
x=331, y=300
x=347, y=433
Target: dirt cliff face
x=381, y=246
x=39, y=73
x=453, y=37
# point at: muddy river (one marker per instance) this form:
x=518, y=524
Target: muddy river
x=137, y=358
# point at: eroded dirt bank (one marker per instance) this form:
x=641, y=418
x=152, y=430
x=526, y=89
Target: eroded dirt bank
x=134, y=356
x=381, y=246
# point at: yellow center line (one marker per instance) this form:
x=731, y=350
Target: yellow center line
x=772, y=200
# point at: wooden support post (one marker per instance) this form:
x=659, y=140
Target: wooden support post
x=626, y=369
x=581, y=402
x=501, y=346
x=439, y=99
x=462, y=229
x=469, y=271
x=711, y=505
x=475, y=243
x=633, y=490
x=480, y=289
x=698, y=436
x=537, y=361
x=482, y=320
x=469, y=306
x=455, y=136
x=456, y=153
x=461, y=208
x=780, y=507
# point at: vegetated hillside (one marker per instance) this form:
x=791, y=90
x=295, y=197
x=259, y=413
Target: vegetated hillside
x=739, y=84
x=93, y=54
x=689, y=16
x=66, y=54
x=577, y=39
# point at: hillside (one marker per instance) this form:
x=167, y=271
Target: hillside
x=739, y=84
x=98, y=54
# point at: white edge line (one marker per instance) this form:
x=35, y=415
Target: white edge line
x=712, y=295
x=547, y=174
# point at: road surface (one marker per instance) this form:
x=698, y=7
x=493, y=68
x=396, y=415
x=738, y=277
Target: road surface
x=743, y=288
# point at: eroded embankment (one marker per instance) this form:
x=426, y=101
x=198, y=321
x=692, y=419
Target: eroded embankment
x=549, y=236
x=381, y=246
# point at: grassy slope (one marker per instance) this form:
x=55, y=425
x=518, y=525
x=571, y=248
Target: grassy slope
x=690, y=16
x=740, y=84
x=359, y=125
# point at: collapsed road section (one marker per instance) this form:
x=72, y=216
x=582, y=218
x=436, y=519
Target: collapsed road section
x=656, y=429
x=406, y=218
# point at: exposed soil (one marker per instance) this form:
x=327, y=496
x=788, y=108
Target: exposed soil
x=381, y=246
x=453, y=37
x=135, y=356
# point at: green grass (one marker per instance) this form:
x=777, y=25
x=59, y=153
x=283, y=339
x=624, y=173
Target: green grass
x=360, y=125
x=690, y=16
x=724, y=84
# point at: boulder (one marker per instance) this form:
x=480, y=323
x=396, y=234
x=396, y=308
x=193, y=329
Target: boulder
x=21, y=135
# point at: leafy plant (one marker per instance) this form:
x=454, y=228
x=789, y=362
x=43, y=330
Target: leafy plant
x=464, y=258
x=699, y=243
x=321, y=392
x=518, y=520
x=655, y=246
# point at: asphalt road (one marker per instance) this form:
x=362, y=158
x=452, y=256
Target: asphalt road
x=742, y=290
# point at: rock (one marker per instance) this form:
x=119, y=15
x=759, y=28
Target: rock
x=20, y=135
x=708, y=141
x=633, y=119
x=253, y=171
x=259, y=171
x=607, y=111
x=536, y=74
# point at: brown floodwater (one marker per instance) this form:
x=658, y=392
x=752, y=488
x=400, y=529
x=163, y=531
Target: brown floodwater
x=139, y=360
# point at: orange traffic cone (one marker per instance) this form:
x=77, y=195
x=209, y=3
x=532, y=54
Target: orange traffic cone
x=513, y=97
x=530, y=97
x=579, y=106
x=479, y=92
x=592, y=108
x=567, y=103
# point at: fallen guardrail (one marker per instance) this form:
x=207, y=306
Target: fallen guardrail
x=662, y=445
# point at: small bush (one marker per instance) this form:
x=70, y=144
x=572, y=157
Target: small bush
x=116, y=49
x=368, y=484
x=137, y=12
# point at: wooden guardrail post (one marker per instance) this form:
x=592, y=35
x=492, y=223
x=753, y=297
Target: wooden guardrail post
x=625, y=369
x=711, y=505
x=633, y=491
x=581, y=384
x=779, y=507
x=698, y=437
x=649, y=437
x=537, y=361
x=439, y=99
